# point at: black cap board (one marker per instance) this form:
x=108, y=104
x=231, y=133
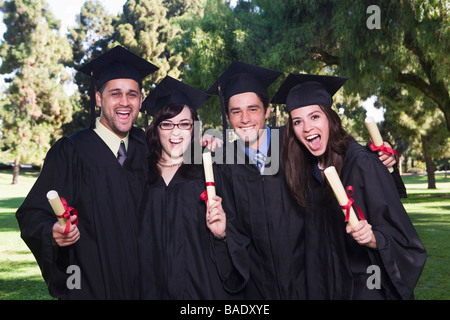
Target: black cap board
x=172, y=91
x=118, y=63
x=300, y=90
x=242, y=77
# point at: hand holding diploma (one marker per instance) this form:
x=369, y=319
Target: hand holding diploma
x=216, y=219
x=211, y=142
x=215, y=216
x=344, y=201
x=378, y=144
x=363, y=234
x=360, y=230
x=209, y=177
x=64, y=232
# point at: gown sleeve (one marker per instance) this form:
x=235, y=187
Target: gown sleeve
x=230, y=255
x=402, y=253
x=36, y=218
x=396, y=176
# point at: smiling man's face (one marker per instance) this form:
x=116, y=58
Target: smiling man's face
x=247, y=116
x=120, y=102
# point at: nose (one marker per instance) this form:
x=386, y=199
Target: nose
x=124, y=100
x=307, y=126
x=176, y=131
x=245, y=118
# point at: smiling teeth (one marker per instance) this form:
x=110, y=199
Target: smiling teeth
x=312, y=137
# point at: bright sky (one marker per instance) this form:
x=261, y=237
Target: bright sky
x=66, y=11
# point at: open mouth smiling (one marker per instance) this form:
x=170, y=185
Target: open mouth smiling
x=314, y=141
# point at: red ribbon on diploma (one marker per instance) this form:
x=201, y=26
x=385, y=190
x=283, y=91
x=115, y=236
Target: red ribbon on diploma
x=382, y=148
x=67, y=214
x=204, y=195
x=351, y=203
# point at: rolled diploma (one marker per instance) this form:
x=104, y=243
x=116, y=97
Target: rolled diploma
x=209, y=176
x=57, y=206
x=377, y=140
x=339, y=192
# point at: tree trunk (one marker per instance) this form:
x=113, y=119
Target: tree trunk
x=428, y=164
x=405, y=162
x=16, y=170
x=430, y=173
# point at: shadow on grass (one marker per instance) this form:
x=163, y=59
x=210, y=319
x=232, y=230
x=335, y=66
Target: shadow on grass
x=11, y=203
x=24, y=289
x=433, y=230
x=19, y=280
x=430, y=221
x=415, y=179
x=8, y=220
x=17, y=266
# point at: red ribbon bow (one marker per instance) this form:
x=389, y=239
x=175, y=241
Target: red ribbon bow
x=382, y=148
x=67, y=215
x=204, y=195
x=351, y=203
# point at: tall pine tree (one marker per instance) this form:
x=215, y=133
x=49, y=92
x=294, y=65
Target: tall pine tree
x=35, y=104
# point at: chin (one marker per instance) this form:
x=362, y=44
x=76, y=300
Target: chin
x=316, y=153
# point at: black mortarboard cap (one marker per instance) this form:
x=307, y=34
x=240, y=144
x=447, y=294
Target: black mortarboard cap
x=118, y=63
x=172, y=91
x=300, y=90
x=242, y=77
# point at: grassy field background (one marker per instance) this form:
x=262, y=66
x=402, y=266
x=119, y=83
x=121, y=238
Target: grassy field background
x=20, y=277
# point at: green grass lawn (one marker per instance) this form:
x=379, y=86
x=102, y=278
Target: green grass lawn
x=430, y=212
x=20, y=277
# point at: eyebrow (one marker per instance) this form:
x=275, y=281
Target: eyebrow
x=309, y=114
x=119, y=89
x=182, y=120
x=245, y=107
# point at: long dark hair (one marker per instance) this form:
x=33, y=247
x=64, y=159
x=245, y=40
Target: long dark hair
x=154, y=143
x=297, y=161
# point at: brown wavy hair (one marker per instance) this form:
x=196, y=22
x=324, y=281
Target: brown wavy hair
x=297, y=161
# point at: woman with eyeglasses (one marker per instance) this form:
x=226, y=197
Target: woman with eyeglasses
x=187, y=250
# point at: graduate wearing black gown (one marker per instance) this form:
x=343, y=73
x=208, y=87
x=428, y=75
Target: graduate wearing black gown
x=340, y=260
x=180, y=257
x=267, y=213
x=86, y=173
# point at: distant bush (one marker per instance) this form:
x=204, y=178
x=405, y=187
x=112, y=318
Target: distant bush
x=414, y=170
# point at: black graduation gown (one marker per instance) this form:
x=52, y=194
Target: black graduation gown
x=273, y=221
x=400, y=254
x=179, y=257
x=328, y=274
x=87, y=174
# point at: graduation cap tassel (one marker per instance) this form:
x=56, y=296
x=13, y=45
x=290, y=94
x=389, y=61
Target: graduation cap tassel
x=224, y=118
x=274, y=119
x=92, y=102
x=146, y=119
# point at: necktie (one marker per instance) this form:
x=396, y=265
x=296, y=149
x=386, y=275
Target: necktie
x=259, y=159
x=121, y=154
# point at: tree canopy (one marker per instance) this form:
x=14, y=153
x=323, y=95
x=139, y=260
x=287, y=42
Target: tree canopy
x=394, y=50
x=35, y=105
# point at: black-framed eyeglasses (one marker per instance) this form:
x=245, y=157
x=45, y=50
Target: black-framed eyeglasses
x=171, y=125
